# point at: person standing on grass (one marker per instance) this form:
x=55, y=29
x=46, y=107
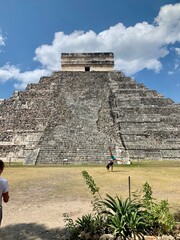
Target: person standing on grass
x=4, y=194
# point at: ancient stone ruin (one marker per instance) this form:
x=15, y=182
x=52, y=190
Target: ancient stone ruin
x=77, y=113
x=87, y=62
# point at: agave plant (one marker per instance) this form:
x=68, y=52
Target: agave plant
x=86, y=222
x=94, y=224
x=125, y=218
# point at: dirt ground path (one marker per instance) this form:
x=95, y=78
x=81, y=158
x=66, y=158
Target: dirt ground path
x=38, y=199
x=40, y=220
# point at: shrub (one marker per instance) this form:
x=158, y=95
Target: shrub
x=177, y=216
x=71, y=226
x=125, y=219
x=161, y=220
x=90, y=223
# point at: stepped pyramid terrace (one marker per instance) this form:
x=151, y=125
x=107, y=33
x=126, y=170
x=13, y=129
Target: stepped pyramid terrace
x=78, y=112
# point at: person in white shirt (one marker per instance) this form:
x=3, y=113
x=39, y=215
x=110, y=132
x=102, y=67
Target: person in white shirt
x=4, y=194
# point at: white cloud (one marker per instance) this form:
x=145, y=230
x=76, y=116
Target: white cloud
x=2, y=40
x=137, y=47
x=170, y=72
x=138, y=65
x=78, y=41
x=177, y=50
x=169, y=22
x=29, y=77
x=9, y=72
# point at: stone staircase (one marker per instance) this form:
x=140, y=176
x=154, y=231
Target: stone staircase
x=80, y=128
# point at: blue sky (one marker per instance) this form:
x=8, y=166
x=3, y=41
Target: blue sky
x=143, y=34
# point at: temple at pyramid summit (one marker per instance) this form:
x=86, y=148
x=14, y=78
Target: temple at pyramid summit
x=77, y=113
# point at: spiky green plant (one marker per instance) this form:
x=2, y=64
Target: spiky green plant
x=125, y=218
x=94, y=224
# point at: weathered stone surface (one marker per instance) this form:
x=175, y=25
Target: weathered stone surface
x=87, y=61
x=78, y=115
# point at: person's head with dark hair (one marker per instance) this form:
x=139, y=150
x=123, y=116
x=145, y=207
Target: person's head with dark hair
x=1, y=166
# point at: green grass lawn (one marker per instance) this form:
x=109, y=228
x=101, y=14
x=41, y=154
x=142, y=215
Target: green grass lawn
x=65, y=182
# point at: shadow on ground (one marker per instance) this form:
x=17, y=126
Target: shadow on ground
x=31, y=231
x=117, y=171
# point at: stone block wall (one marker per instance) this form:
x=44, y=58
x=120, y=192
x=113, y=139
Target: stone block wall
x=87, y=62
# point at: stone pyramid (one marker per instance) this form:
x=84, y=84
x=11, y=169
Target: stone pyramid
x=76, y=115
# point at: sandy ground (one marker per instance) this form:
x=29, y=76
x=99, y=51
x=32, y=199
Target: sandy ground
x=39, y=220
